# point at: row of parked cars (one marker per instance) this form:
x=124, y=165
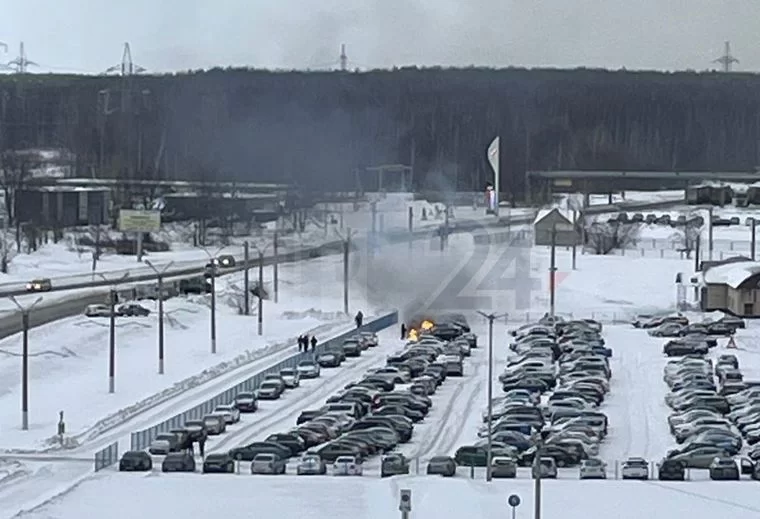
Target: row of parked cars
x=548, y=416
x=662, y=219
x=177, y=444
x=711, y=410
x=688, y=338
x=371, y=416
x=125, y=310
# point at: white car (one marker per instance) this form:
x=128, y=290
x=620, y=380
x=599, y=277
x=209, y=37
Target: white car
x=308, y=369
x=291, y=377
x=159, y=447
x=635, y=468
x=97, y=311
x=230, y=413
x=593, y=468
x=370, y=338
x=347, y=466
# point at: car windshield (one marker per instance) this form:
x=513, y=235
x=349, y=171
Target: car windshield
x=440, y=459
x=310, y=459
x=503, y=461
x=287, y=372
x=265, y=457
x=592, y=463
x=306, y=364
x=243, y=396
x=269, y=384
x=344, y=459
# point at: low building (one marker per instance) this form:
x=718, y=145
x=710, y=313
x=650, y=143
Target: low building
x=733, y=288
x=59, y=207
x=709, y=193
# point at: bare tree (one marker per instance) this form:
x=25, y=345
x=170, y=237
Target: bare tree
x=604, y=237
x=687, y=238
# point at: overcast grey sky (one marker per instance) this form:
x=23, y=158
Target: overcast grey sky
x=166, y=35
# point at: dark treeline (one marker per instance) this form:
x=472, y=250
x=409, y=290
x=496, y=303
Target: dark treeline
x=317, y=128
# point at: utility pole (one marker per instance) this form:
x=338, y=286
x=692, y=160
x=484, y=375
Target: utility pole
x=214, y=266
x=710, y=234
x=754, y=237
x=246, y=279
x=112, y=297
x=491, y=318
x=276, y=267
x=260, y=316
x=160, y=277
x=25, y=360
x=553, y=270
x=575, y=242
x=537, y=477
x=346, y=272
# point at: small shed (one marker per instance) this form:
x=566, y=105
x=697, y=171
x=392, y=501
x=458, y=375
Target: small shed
x=712, y=193
x=733, y=288
x=753, y=194
x=555, y=225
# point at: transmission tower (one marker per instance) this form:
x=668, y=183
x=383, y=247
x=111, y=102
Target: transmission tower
x=127, y=67
x=21, y=63
x=727, y=60
x=343, y=58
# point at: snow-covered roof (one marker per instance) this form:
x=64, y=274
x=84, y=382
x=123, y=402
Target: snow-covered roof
x=732, y=274
x=543, y=213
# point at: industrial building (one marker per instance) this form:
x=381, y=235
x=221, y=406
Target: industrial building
x=709, y=193
x=733, y=288
x=58, y=207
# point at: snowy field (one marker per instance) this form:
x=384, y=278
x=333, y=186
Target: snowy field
x=76, y=350
x=274, y=497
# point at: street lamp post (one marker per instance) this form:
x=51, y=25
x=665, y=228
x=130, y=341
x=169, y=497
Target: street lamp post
x=25, y=360
x=491, y=318
x=212, y=257
x=112, y=330
x=160, y=277
x=260, y=311
x=346, y=251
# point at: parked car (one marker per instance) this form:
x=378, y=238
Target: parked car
x=347, y=466
x=135, y=461
x=593, y=468
x=163, y=444
x=671, y=470
x=311, y=464
x=291, y=377
x=308, y=369
x=503, y=467
x=270, y=390
x=225, y=261
x=547, y=468
x=266, y=463
x=724, y=468
x=178, y=462
x=394, y=465
x=229, y=412
x=442, y=465
x=215, y=424
x=635, y=468
x=219, y=463
x=246, y=402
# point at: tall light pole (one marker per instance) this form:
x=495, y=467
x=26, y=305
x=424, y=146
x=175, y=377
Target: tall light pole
x=160, y=276
x=491, y=318
x=25, y=360
x=112, y=330
x=260, y=311
x=214, y=266
x=346, y=273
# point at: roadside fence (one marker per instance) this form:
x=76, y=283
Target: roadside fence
x=604, y=317
x=140, y=440
x=107, y=457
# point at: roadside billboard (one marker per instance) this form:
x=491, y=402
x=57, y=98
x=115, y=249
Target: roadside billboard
x=135, y=220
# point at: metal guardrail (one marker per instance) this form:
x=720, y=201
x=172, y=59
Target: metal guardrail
x=107, y=457
x=140, y=440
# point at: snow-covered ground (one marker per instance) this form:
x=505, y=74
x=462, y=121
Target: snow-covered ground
x=76, y=351
x=190, y=495
x=512, y=278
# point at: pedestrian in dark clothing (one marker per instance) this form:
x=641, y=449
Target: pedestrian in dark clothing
x=306, y=342
x=300, y=343
x=202, y=445
x=313, y=342
x=359, y=319
x=403, y=331
x=191, y=448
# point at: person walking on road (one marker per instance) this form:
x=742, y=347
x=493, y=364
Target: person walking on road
x=202, y=445
x=359, y=319
x=313, y=342
x=403, y=331
x=301, y=343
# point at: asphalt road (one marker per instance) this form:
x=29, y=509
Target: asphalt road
x=11, y=323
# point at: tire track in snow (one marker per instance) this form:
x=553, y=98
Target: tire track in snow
x=451, y=424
